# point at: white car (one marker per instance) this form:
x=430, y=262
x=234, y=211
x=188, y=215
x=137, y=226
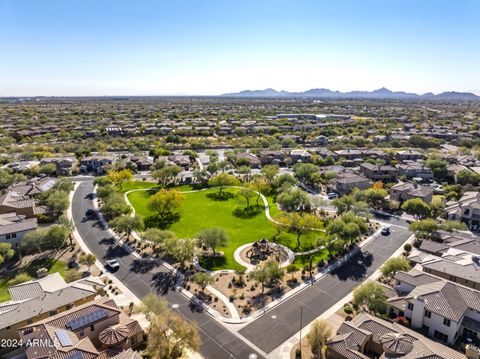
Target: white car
x=113, y=264
x=332, y=195
x=385, y=231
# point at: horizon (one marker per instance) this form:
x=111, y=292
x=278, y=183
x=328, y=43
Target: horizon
x=117, y=48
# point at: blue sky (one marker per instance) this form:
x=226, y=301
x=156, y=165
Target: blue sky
x=207, y=47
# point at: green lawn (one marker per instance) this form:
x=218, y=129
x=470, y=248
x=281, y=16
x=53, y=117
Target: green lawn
x=51, y=264
x=199, y=212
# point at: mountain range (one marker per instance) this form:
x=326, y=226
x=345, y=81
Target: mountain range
x=382, y=93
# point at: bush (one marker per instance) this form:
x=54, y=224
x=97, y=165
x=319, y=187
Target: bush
x=407, y=247
x=20, y=278
x=348, y=309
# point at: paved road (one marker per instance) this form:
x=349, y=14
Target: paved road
x=144, y=276
x=279, y=324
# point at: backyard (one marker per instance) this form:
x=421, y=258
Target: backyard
x=199, y=211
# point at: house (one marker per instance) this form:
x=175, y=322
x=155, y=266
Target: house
x=39, y=299
x=142, y=163
x=442, y=309
x=20, y=204
x=23, y=166
x=97, y=164
x=404, y=191
x=33, y=187
x=345, y=182
x=299, y=155
x=270, y=157
x=453, y=170
x=415, y=170
x=98, y=329
x=466, y=209
x=378, y=172
x=454, y=265
x=367, y=336
x=250, y=157
x=409, y=155
x=64, y=165
x=13, y=227
x=320, y=140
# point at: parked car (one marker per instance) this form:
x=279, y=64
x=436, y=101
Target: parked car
x=113, y=264
x=332, y=195
x=385, y=231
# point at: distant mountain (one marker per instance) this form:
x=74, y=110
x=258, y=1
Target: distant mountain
x=382, y=93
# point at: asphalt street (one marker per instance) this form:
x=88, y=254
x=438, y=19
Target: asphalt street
x=283, y=321
x=146, y=276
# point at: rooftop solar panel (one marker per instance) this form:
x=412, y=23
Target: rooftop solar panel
x=87, y=319
x=63, y=338
x=76, y=355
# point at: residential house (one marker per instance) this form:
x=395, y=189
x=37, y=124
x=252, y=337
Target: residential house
x=367, y=336
x=142, y=163
x=98, y=329
x=345, y=182
x=409, y=155
x=411, y=170
x=271, y=157
x=13, y=227
x=404, y=191
x=23, y=166
x=33, y=187
x=300, y=155
x=97, y=164
x=39, y=299
x=466, y=209
x=454, y=265
x=379, y=172
x=64, y=165
x=20, y=204
x=253, y=159
x=442, y=309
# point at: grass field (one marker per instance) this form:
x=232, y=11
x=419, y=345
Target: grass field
x=51, y=264
x=199, y=212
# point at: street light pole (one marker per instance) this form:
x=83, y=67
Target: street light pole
x=301, y=325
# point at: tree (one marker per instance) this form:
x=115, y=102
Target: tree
x=179, y=248
x=213, y=238
x=127, y=224
x=69, y=226
x=170, y=335
x=376, y=197
x=284, y=182
x=56, y=236
x=58, y=201
x=267, y=273
x=165, y=202
x=261, y=185
x=292, y=200
x=151, y=306
x=7, y=178
x=157, y=235
x=48, y=169
x=451, y=226
x=423, y=228
x=223, y=180
x=393, y=265
x=88, y=260
x=416, y=207
x=438, y=167
x=6, y=252
x=371, y=295
x=167, y=175
x=291, y=269
x=33, y=239
x=202, y=279
x=246, y=194
x=319, y=334
x=467, y=176
x=299, y=224
x=344, y=204
x=347, y=228
x=119, y=177
x=305, y=172
x=115, y=206
x=270, y=172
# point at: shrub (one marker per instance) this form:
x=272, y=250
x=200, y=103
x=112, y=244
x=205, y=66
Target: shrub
x=348, y=309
